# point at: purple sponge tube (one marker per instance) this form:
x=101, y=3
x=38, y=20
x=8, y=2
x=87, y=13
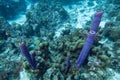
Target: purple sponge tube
x=30, y=58
x=67, y=63
x=90, y=39
x=96, y=21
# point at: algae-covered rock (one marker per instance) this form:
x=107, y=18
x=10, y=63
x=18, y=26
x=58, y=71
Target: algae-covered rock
x=112, y=31
x=53, y=74
x=37, y=42
x=116, y=45
x=118, y=17
x=114, y=1
x=44, y=18
x=26, y=65
x=5, y=28
x=104, y=57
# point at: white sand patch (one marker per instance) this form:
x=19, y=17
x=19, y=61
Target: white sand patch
x=24, y=75
x=103, y=22
x=82, y=18
x=79, y=14
x=82, y=12
x=21, y=18
x=59, y=31
x=115, y=76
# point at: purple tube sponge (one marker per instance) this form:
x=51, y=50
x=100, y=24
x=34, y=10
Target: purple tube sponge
x=30, y=58
x=90, y=39
x=67, y=63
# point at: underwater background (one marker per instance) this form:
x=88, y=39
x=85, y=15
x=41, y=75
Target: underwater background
x=42, y=39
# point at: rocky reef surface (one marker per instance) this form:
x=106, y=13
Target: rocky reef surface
x=54, y=31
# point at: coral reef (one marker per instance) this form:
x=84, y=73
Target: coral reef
x=4, y=28
x=50, y=33
x=112, y=31
x=43, y=18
